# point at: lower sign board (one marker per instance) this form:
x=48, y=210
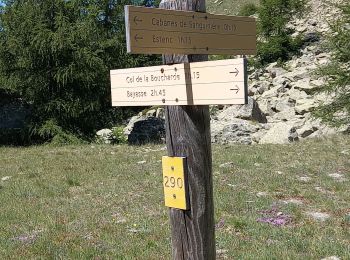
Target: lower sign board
x=174, y=182
x=198, y=83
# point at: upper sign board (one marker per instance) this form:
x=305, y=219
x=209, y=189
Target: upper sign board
x=160, y=31
x=197, y=83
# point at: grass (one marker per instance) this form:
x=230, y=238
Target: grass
x=103, y=202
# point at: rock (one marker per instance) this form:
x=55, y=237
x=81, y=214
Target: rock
x=297, y=74
x=305, y=105
x=312, y=22
x=337, y=176
x=151, y=113
x=331, y=258
x=141, y=130
x=160, y=113
x=284, y=104
x=233, y=131
x=311, y=37
x=275, y=71
x=265, y=107
x=280, y=133
x=304, y=84
x=262, y=194
x=105, y=136
x=227, y=165
x=256, y=137
x=285, y=115
x=304, y=178
x=262, y=87
x=270, y=93
x=251, y=111
x=319, y=216
x=293, y=135
x=6, y=178
x=293, y=201
x=295, y=94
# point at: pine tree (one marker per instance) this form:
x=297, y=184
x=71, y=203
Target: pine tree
x=275, y=41
x=337, y=72
x=56, y=55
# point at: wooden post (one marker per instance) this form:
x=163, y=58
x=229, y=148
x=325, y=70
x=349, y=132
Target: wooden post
x=188, y=135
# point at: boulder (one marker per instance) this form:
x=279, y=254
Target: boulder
x=305, y=105
x=250, y=111
x=104, y=136
x=307, y=130
x=141, y=130
x=265, y=107
x=295, y=94
x=233, y=131
x=284, y=104
x=285, y=115
x=280, y=133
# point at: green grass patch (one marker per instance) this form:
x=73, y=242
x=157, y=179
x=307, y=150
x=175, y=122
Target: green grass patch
x=103, y=202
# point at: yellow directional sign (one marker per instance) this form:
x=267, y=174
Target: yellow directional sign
x=174, y=182
x=160, y=31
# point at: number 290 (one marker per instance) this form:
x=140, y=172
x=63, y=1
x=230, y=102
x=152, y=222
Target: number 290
x=172, y=182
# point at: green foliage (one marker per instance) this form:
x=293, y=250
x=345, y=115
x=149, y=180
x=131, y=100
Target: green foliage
x=118, y=135
x=56, y=55
x=248, y=9
x=275, y=42
x=337, y=72
x=278, y=48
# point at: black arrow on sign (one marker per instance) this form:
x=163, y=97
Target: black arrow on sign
x=235, y=72
x=137, y=20
x=236, y=89
x=137, y=38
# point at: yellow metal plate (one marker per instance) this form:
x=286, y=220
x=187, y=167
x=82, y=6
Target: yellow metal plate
x=174, y=182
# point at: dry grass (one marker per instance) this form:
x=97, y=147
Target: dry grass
x=98, y=202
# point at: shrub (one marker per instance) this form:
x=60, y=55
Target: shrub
x=248, y=9
x=118, y=135
x=337, y=72
x=275, y=41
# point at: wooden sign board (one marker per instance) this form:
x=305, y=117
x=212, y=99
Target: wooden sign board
x=174, y=182
x=198, y=83
x=160, y=31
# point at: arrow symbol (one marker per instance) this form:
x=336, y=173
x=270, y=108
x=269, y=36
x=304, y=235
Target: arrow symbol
x=235, y=89
x=136, y=20
x=235, y=72
x=137, y=38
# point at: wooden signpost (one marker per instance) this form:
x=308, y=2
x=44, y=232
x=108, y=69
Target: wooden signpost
x=181, y=84
x=186, y=86
x=151, y=30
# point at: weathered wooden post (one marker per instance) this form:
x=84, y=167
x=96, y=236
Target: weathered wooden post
x=188, y=135
x=186, y=84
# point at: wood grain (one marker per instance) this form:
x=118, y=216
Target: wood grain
x=188, y=135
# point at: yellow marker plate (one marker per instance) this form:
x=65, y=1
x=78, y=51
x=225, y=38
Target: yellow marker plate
x=174, y=182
